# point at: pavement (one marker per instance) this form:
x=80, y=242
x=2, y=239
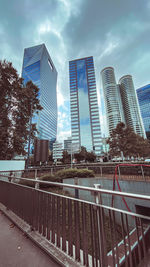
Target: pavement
x=17, y=250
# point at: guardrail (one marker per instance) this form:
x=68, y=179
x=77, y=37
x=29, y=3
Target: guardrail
x=124, y=171
x=86, y=231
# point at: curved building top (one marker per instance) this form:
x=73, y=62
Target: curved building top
x=125, y=76
x=107, y=68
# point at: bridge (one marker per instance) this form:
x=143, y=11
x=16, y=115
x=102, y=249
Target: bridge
x=73, y=232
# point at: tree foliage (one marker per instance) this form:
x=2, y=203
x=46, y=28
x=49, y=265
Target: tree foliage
x=18, y=103
x=123, y=139
x=66, y=157
x=85, y=155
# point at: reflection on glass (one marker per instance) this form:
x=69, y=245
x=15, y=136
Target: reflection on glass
x=84, y=113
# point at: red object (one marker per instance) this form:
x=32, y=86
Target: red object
x=116, y=178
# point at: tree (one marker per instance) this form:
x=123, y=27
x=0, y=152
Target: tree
x=124, y=140
x=81, y=155
x=84, y=155
x=18, y=104
x=66, y=157
x=90, y=156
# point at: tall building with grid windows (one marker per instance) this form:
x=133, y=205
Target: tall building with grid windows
x=39, y=68
x=143, y=95
x=85, y=124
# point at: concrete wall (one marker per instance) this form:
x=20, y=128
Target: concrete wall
x=135, y=187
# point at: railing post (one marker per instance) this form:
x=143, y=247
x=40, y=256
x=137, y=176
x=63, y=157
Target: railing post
x=142, y=172
x=35, y=174
x=76, y=190
x=36, y=178
x=119, y=172
x=101, y=171
x=101, y=230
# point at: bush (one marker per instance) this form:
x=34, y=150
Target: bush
x=62, y=174
x=71, y=173
x=46, y=177
x=49, y=178
x=27, y=183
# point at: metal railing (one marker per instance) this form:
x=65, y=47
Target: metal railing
x=86, y=231
x=138, y=172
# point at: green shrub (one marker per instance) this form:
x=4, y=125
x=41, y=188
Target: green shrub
x=71, y=173
x=49, y=178
x=46, y=177
x=68, y=173
x=27, y=183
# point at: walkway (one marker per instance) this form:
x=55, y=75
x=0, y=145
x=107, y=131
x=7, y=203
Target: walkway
x=16, y=250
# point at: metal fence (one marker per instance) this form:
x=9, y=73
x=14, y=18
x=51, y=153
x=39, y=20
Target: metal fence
x=86, y=231
x=138, y=172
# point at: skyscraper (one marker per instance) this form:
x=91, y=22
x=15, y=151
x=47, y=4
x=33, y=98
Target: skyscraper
x=112, y=98
x=130, y=105
x=121, y=102
x=39, y=68
x=85, y=124
x=143, y=95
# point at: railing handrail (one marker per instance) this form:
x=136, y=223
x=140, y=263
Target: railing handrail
x=65, y=221
x=51, y=167
x=84, y=201
x=124, y=164
x=86, y=188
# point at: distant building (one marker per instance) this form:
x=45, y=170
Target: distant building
x=112, y=99
x=39, y=68
x=41, y=150
x=57, y=151
x=68, y=145
x=130, y=105
x=105, y=145
x=121, y=102
x=85, y=124
x=143, y=95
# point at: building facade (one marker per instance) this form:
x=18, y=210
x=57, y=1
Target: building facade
x=130, y=105
x=68, y=145
x=57, y=151
x=39, y=68
x=112, y=99
x=121, y=102
x=85, y=124
x=143, y=95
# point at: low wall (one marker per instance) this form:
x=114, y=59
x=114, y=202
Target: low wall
x=136, y=187
x=11, y=165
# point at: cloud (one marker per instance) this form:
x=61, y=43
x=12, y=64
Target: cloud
x=64, y=130
x=115, y=32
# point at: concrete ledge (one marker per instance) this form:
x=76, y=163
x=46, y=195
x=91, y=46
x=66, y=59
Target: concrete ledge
x=55, y=253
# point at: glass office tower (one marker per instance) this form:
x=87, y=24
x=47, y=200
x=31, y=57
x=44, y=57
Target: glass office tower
x=38, y=67
x=143, y=95
x=85, y=124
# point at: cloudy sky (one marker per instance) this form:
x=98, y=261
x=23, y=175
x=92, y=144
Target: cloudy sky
x=115, y=32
